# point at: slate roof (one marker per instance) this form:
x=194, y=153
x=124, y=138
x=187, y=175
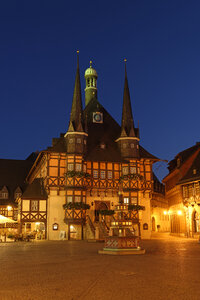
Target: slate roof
x=158, y=187
x=35, y=190
x=99, y=133
x=12, y=175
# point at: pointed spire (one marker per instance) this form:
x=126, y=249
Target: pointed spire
x=127, y=117
x=76, y=116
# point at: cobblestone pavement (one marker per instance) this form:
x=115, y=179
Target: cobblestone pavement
x=73, y=270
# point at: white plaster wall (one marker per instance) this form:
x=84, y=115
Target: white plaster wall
x=56, y=215
x=25, y=205
x=145, y=215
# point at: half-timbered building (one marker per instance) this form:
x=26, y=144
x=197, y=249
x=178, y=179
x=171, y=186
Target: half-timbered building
x=183, y=193
x=87, y=169
x=12, y=184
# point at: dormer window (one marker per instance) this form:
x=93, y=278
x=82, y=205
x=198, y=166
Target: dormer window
x=78, y=141
x=18, y=192
x=4, y=193
x=194, y=171
x=103, y=146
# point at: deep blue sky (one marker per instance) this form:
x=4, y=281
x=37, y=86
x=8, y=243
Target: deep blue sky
x=159, y=38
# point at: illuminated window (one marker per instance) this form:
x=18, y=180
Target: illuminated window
x=85, y=142
x=125, y=170
x=109, y=174
x=71, y=141
x=126, y=200
x=70, y=167
x=132, y=146
x=78, y=167
x=34, y=205
x=134, y=200
x=69, y=199
x=124, y=146
x=77, y=199
x=133, y=170
x=103, y=174
x=84, y=168
x=78, y=141
x=95, y=173
x=194, y=171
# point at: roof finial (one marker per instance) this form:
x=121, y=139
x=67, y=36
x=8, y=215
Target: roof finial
x=90, y=64
x=125, y=60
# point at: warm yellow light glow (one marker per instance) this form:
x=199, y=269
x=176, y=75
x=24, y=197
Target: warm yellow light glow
x=179, y=212
x=37, y=223
x=165, y=212
x=9, y=207
x=71, y=227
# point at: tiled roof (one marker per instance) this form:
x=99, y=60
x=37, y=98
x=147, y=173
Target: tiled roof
x=35, y=190
x=12, y=175
x=99, y=133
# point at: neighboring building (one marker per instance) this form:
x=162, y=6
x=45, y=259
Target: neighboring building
x=94, y=163
x=159, y=208
x=183, y=192
x=12, y=184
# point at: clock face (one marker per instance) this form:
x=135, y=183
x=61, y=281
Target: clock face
x=97, y=117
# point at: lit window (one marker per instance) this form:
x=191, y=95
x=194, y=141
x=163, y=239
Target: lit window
x=194, y=171
x=78, y=167
x=124, y=146
x=125, y=170
x=103, y=146
x=109, y=174
x=77, y=199
x=85, y=142
x=84, y=168
x=95, y=173
x=132, y=146
x=133, y=170
x=71, y=141
x=103, y=174
x=69, y=199
x=34, y=205
x=70, y=167
x=137, y=146
x=78, y=141
x=134, y=200
x=126, y=200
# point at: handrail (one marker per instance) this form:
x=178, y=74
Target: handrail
x=91, y=224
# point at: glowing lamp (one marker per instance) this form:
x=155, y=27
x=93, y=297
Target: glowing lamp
x=179, y=212
x=9, y=208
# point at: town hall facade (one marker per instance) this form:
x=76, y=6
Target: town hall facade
x=74, y=185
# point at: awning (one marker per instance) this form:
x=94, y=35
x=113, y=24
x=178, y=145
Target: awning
x=4, y=220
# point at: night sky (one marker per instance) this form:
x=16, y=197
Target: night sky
x=159, y=38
